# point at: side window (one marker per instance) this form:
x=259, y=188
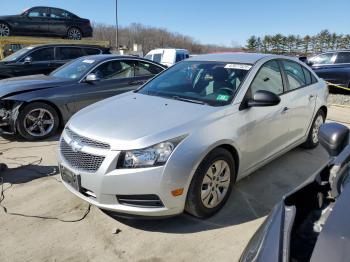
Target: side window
x=307, y=74
x=179, y=57
x=295, y=74
x=92, y=51
x=343, y=57
x=145, y=69
x=114, y=70
x=68, y=53
x=157, y=58
x=44, y=54
x=38, y=12
x=268, y=78
x=322, y=59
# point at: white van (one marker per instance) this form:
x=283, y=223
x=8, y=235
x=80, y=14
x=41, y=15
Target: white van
x=167, y=56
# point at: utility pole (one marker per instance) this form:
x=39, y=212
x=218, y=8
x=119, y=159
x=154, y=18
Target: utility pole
x=116, y=24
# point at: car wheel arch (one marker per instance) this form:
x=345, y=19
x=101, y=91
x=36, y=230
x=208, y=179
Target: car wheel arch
x=53, y=105
x=324, y=110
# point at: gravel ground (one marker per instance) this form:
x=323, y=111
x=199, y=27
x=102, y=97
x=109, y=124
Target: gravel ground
x=339, y=99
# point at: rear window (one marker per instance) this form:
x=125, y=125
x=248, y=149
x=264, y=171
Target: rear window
x=68, y=53
x=144, y=69
x=92, y=51
x=295, y=74
x=342, y=58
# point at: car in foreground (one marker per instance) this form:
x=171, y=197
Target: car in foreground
x=167, y=56
x=312, y=222
x=43, y=59
x=35, y=106
x=183, y=139
x=334, y=67
x=46, y=21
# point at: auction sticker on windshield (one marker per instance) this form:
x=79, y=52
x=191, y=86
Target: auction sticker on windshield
x=223, y=98
x=238, y=66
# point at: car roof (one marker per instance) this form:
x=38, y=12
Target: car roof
x=64, y=45
x=103, y=57
x=238, y=57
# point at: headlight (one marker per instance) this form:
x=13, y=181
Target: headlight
x=156, y=155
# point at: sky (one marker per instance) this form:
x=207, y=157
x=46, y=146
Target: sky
x=223, y=22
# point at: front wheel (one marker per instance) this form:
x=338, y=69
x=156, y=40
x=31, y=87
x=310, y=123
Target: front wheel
x=312, y=139
x=211, y=184
x=74, y=34
x=37, y=121
x=4, y=30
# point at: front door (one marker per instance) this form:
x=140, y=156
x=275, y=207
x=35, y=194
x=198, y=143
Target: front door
x=265, y=129
x=35, y=21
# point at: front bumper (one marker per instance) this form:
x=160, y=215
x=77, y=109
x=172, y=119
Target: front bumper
x=102, y=188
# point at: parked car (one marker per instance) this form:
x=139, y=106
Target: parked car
x=167, y=56
x=35, y=106
x=46, y=21
x=333, y=67
x=312, y=222
x=43, y=59
x=183, y=139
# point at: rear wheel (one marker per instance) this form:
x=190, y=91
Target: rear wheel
x=211, y=184
x=37, y=121
x=74, y=34
x=312, y=139
x=4, y=30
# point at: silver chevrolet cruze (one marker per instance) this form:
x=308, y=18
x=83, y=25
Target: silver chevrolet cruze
x=183, y=139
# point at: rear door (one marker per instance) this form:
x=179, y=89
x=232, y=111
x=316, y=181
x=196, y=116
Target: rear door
x=58, y=21
x=115, y=77
x=41, y=62
x=301, y=98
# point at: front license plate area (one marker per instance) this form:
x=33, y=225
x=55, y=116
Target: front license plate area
x=70, y=178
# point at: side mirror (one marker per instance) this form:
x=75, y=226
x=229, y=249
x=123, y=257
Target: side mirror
x=264, y=98
x=303, y=59
x=91, y=78
x=334, y=137
x=28, y=60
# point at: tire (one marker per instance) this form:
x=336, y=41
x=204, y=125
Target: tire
x=74, y=33
x=4, y=30
x=198, y=201
x=312, y=138
x=37, y=121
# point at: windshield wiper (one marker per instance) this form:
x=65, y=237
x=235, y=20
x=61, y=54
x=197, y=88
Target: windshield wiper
x=189, y=100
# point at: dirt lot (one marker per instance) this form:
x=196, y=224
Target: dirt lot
x=101, y=238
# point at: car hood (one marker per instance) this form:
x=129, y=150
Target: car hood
x=131, y=120
x=15, y=85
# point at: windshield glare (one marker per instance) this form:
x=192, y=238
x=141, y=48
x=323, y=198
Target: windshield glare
x=213, y=83
x=74, y=70
x=16, y=55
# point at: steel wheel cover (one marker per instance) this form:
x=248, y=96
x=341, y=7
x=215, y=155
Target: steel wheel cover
x=316, y=128
x=215, y=184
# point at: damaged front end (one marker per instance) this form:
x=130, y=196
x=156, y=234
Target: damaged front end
x=9, y=111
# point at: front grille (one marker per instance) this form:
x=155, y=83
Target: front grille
x=80, y=160
x=140, y=200
x=86, y=141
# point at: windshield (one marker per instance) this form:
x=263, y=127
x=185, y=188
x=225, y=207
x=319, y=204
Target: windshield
x=16, y=55
x=213, y=83
x=75, y=69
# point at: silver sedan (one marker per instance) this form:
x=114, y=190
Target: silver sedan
x=181, y=141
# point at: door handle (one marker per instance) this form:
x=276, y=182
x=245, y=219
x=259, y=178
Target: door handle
x=136, y=82
x=311, y=96
x=284, y=110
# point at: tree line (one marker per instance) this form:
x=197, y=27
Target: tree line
x=297, y=45
x=152, y=37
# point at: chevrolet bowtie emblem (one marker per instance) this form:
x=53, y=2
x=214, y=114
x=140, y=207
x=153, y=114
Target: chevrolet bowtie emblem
x=75, y=145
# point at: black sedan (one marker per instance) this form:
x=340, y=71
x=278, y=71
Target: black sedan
x=46, y=21
x=35, y=106
x=333, y=67
x=43, y=59
x=312, y=222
